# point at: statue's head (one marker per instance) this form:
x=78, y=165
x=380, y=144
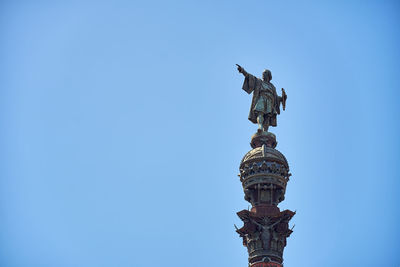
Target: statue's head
x=267, y=76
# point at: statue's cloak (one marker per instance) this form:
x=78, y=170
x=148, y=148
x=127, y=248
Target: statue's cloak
x=254, y=84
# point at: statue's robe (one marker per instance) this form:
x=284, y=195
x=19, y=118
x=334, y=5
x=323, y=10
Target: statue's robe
x=255, y=85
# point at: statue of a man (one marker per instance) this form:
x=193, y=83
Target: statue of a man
x=266, y=102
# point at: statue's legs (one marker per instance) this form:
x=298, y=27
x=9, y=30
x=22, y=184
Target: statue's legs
x=266, y=122
x=260, y=121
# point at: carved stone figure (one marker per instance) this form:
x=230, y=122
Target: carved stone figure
x=265, y=105
x=265, y=229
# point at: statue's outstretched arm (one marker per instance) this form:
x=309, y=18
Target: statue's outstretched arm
x=241, y=70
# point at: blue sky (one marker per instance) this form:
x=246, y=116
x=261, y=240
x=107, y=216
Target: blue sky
x=123, y=124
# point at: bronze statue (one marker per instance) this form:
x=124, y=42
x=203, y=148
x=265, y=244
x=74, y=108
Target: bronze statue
x=265, y=104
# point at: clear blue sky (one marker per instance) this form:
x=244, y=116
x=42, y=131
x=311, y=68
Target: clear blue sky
x=123, y=124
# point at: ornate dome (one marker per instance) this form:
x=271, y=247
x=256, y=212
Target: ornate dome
x=264, y=173
x=264, y=153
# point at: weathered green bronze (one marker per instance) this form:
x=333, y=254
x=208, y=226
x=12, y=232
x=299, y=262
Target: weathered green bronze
x=265, y=105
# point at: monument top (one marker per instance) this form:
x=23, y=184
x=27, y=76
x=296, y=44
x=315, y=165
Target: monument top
x=265, y=105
